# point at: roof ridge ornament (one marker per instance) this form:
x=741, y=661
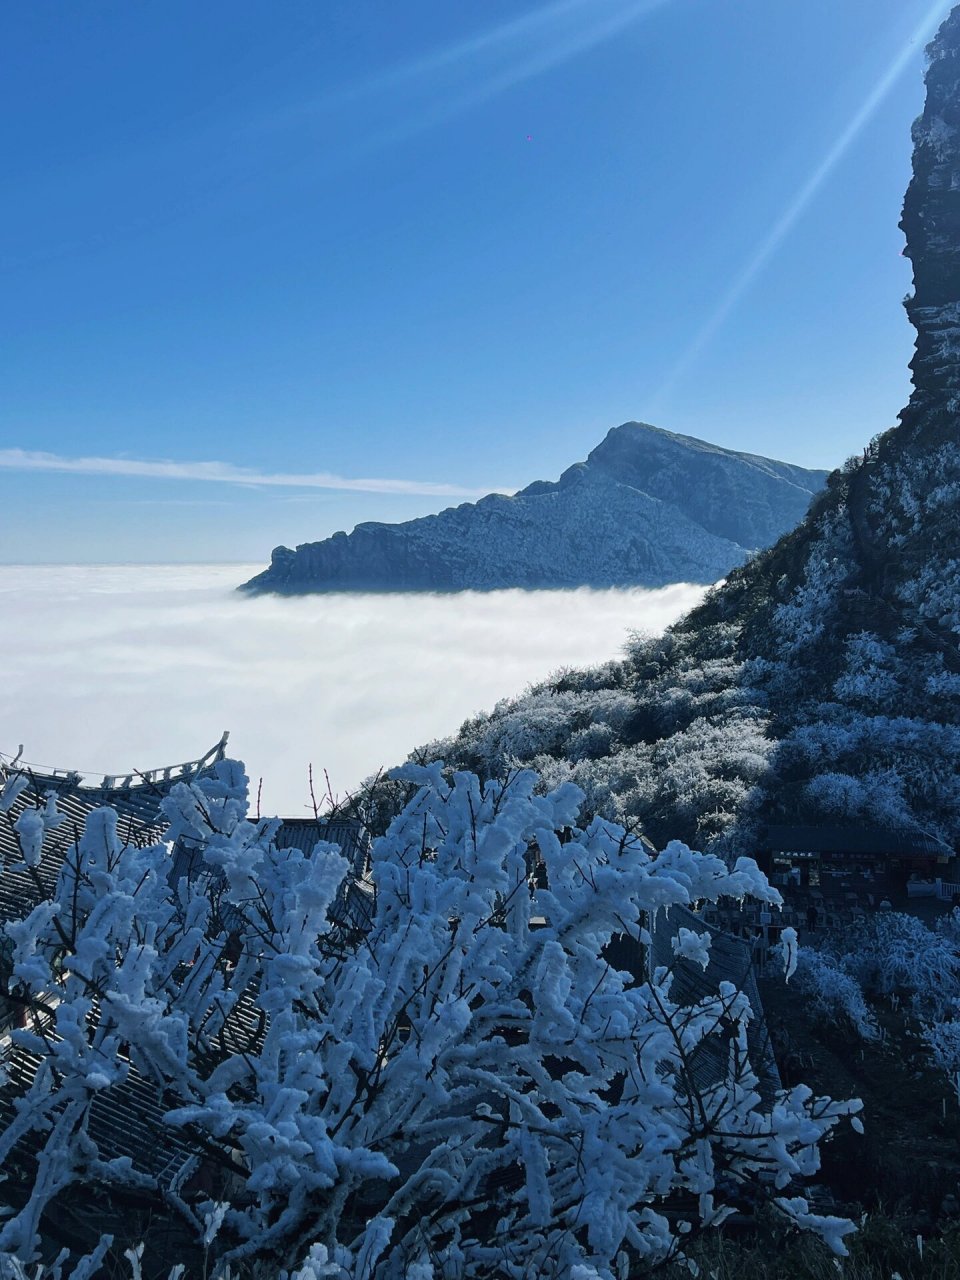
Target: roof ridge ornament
x=135, y=779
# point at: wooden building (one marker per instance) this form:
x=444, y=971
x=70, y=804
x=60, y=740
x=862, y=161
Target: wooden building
x=806, y=853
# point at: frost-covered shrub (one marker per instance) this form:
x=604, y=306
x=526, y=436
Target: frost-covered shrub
x=899, y=771
x=943, y=1041
x=935, y=592
x=548, y=720
x=617, y=786
x=832, y=995
x=896, y=953
x=606, y=675
x=943, y=1037
x=948, y=926
x=839, y=794
x=800, y=621
x=943, y=684
x=610, y=707
x=704, y=776
x=464, y=1087
x=870, y=678
x=516, y=731
x=591, y=742
x=875, y=796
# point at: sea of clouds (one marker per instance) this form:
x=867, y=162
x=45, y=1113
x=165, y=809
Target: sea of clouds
x=111, y=668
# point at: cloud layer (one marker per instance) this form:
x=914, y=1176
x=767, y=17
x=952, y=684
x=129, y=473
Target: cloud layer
x=112, y=668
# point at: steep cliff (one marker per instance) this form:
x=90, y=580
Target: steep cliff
x=931, y=224
x=647, y=507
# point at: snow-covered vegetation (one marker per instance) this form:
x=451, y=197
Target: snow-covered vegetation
x=836, y=704
x=891, y=960
x=459, y=1085
x=893, y=954
x=443, y=1072
x=834, y=996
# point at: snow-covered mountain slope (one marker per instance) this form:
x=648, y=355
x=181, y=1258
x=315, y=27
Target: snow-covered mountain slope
x=647, y=507
x=821, y=683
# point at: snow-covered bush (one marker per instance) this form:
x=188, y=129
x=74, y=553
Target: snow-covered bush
x=800, y=622
x=943, y=1041
x=591, y=742
x=518, y=730
x=548, y=720
x=875, y=796
x=464, y=1088
x=831, y=994
x=935, y=591
x=870, y=677
x=892, y=953
x=618, y=786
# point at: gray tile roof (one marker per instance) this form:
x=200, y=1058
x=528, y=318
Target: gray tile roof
x=136, y=798
x=731, y=960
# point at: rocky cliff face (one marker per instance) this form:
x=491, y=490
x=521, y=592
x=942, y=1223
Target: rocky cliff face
x=646, y=508
x=931, y=224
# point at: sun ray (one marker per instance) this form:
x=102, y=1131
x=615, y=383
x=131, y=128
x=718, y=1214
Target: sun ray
x=483, y=65
x=801, y=200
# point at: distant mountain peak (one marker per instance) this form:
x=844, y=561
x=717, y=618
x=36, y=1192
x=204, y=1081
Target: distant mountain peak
x=647, y=507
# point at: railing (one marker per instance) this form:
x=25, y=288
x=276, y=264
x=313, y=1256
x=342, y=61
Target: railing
x=946, y=889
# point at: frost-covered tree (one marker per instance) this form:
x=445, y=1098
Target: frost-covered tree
x=833, y=997
x=896, y=954
x=462, y=1086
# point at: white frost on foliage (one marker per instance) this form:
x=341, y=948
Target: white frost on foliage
x=14, y=784
x=831, y=1230
x=692, y=946
x=317, y=1265
x=474, y=1027
x=788, y=945
x=943, y=1041
x=832, y=995
x=32, y=824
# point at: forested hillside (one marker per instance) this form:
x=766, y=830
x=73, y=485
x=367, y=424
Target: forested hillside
x=822, y=681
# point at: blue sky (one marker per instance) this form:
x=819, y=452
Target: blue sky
x=365, y=259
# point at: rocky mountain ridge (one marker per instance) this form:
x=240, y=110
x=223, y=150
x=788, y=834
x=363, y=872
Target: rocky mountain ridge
x=646, y=508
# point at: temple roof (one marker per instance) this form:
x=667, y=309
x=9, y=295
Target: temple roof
x=135, y=796
x=110, y=786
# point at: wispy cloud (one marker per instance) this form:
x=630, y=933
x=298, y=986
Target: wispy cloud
x=227, y=473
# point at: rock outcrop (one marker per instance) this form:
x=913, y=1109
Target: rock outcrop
x=646, y=508
x=931, y=224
